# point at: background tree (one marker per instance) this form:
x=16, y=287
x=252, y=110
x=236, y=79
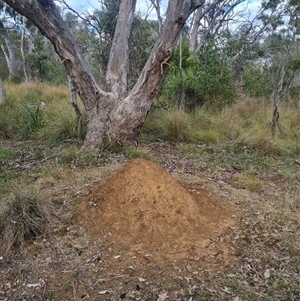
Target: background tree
x=2, y=93
x=8, y=20
x=209, y=19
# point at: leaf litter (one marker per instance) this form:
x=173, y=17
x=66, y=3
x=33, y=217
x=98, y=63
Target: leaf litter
x=253, y=255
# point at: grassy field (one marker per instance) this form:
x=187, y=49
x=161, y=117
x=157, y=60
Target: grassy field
x=232, y=152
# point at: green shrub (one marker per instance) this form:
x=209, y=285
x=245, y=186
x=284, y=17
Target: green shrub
x=207, y=79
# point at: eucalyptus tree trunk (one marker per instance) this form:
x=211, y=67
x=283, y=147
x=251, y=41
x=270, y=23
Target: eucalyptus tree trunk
x=76, y=108
x=8, y=52
x=156, y=4
x=194, y=29
x=22, y=49
x=182, y=94
x=221, y=11
x=277, y=90
x=2, y=93
x=113, y=112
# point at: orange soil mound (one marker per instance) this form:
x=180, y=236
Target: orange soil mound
x=146, y=209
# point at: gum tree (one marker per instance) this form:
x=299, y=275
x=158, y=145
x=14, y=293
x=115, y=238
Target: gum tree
x=114, y=113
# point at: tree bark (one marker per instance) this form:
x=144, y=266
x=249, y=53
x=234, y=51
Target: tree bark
x=76, y=108
x=8, y=52
x=115, y=114
x=2, y=93
x=117, y=69
x=182, y=96
x=156, y=4
x=194, y=31
x=22, y=49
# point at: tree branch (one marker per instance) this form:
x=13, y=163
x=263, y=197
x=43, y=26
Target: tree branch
x=46, y=17
x=117, y=68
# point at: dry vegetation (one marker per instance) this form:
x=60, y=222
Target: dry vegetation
x=45, y=256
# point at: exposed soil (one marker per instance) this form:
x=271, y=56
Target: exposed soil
x=180, y=230
x=144, y=209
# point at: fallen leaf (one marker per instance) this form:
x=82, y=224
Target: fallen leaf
x=33, y=284
x=104, y=292
x=162, y=297
x=141, y=279
x=267, y=274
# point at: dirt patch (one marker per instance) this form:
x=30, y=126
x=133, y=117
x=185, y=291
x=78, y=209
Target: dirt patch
x=143, y=208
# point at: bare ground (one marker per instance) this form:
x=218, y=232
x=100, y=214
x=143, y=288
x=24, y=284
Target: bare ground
x=244, y=246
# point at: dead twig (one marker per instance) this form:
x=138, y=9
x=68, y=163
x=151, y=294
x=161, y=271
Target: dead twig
x=30, y=165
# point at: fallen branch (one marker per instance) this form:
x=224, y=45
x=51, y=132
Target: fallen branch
x=30, y=165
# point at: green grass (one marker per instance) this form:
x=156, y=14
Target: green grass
x=21, y=117
x=139, y=152
x=246, y=123
x=7, y=154
x=266, y=236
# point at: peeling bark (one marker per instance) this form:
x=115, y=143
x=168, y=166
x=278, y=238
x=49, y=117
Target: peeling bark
x=117, y=69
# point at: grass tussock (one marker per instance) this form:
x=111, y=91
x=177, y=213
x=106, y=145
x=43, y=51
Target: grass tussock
x=176, y=125
x=139, y=152
x=38, y=111
x=246, y=181
x=247, y=123
x=24, y=218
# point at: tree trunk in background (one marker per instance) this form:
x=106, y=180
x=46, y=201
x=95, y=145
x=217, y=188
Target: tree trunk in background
x=9, y=53
x=156, y=4
x=114, y=114
x=276, y=93
x=194, y=31
x=2, y=93
x=76, y=108
x=22, y=49
x=182, y=96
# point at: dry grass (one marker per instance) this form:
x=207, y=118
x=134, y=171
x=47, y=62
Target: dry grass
x=246, y=122
x=246, y=181
x=57, y=121
x=233, y=154
x=24, y=218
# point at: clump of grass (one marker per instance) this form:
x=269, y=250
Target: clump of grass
x=74, y=156
x=5, y=124
x=247, y=123
x=246, y=181
x=25, y=218
x=134, y=153
x=32, y=120
x=175, y=125
x=7, y=154
x=9, y=118
x=21, y=116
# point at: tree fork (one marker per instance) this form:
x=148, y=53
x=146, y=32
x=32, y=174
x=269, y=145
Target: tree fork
x=117, y=114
